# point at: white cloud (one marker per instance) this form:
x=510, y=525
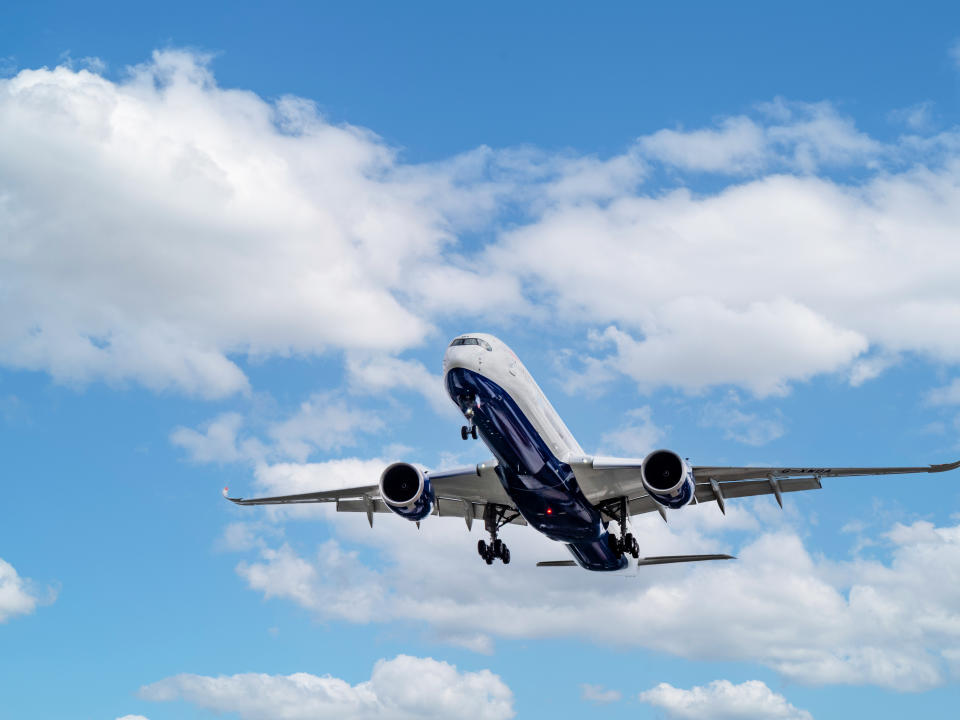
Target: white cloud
x=638, y=436
x=132, y=717
x=797, y=136
x=722, y=700
x=403, y=688
x=955, y=53
x=599, y=694
x=382, y=374
x=870, y=367
x=18, y=595
x=812, y=619
x=736, y=424
x=321, y=423
x=946, y=395
x=163, y=229
x=162, y=224
x=916, y=117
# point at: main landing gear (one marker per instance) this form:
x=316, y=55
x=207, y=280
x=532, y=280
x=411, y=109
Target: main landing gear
x=626, y=544
x=470, y=431
x=494, y=518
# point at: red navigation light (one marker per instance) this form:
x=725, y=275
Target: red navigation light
x=549, y=511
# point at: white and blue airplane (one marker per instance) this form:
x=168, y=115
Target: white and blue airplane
x=540, y=476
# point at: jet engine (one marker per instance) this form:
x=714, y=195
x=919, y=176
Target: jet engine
x=668, y=478
x=406, y=490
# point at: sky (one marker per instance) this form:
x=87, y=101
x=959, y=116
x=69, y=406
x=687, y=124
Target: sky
x=235, y=241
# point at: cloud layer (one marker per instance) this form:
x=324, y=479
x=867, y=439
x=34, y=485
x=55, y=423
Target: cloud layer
x=892, y=623
x=404, y=688
x=160, y=229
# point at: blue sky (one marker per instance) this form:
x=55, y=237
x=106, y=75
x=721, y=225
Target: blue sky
x=236, y=241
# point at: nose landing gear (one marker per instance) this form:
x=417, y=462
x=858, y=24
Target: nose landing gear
x=471, y=429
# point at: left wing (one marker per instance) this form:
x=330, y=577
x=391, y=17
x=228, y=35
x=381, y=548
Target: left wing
x=463, y=492
x=603, y=479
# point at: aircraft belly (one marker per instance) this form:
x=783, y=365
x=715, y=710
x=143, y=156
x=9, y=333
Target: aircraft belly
x=543, y=488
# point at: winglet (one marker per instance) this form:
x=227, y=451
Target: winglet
x=226, y=494
x=944, y=467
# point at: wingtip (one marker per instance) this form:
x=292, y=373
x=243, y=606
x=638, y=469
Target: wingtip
x=226, y=495
x=945, y=467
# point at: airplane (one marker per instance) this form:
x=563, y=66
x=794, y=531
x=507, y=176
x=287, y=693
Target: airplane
x=541, y=477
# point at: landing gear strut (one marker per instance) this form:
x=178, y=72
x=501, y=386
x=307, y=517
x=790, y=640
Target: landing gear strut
x=626, y=544
x=471, y=429
x=494, y=518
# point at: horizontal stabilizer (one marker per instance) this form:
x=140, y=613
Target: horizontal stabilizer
x=667, y=559
x=556, y=563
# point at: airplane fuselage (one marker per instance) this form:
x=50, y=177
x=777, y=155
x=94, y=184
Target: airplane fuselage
x=532, y=445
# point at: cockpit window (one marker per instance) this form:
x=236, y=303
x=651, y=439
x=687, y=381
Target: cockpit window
x=471, y=341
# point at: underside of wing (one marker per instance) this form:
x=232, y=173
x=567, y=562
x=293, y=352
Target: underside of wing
x=605, y=479
x=462, y=492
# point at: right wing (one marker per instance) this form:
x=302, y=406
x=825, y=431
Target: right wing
x=462, y=492
x=603, y=479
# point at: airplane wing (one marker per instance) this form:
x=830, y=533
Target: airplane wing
x=604, y=479
x=462, y=492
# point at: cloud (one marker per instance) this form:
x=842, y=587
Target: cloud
x=812, y=619
x=162, y=226
x=132, y=717
x=399, y=689
x=745, y=427
x=722, y=700
x=163, y=230
x=18, y=596
x=598, y=694
x=638, y=436
x=916, y=117
x=955, y=53
x=379, y=374
x=946, y=395
x=324, y=422
x=796, y=136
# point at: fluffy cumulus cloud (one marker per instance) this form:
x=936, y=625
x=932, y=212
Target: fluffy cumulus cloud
x=160, y=229
x=398, y=689
x=17, y=595
x=157, y=227
x=722, y=700
x=891, y=621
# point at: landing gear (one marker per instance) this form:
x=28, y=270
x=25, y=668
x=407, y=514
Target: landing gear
x=471, y=429
x=626, y=544
x=494, y=518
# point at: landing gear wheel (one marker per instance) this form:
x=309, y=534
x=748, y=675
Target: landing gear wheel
x=473, y=432
x=614, y=544
x=482, y=548
x=488, y=558
x=464, y=431
x=505, y=555
x=635, y=549
x=498, y=548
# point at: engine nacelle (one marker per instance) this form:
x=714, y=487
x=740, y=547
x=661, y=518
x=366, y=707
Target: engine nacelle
x=668, y=478
x=406, y=490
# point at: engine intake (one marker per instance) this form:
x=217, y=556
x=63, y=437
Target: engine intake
x=667, y=478
x=406, y=490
